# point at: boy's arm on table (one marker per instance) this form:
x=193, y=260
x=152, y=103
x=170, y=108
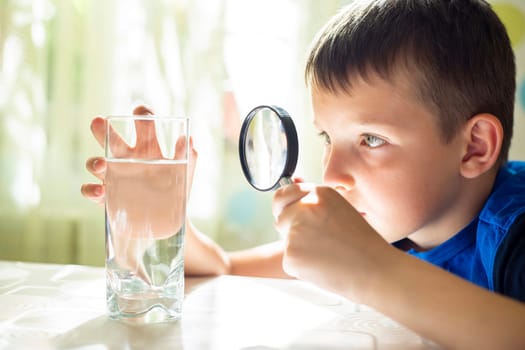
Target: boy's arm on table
x=432, y=302
x=205, y=257
x=443, y=307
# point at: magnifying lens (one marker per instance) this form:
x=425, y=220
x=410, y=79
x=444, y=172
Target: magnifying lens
x=268, y=147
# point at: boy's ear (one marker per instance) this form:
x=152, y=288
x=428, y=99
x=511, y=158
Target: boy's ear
x=483, y=135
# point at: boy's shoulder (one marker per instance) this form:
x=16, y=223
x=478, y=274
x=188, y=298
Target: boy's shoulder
x=505, y=214
x=507, y=199
x=499, y=237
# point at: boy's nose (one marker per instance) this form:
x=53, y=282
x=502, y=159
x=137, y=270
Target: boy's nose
x=338, y=172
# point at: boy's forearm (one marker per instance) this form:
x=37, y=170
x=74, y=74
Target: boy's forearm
x=262, y=261
x=445, y=308
x=204, y=257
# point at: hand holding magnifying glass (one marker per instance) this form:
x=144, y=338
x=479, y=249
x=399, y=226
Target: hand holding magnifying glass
x=268, y=147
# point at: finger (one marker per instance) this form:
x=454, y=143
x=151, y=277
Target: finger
x=291, y=216
x=142, y=110
x=146, y=133
x=191, y=165
x=118, y=146
x=98, y=128
x=181, y=148
x=298, y=179
x=97, y=166
x=288, y=195
x=147, y=136
x=145, y=128
x=93, y=192
x=193, y=155
x=299, y=206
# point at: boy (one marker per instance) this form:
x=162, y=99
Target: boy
x=414, y=100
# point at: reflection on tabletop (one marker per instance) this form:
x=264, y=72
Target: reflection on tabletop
x=45, y=306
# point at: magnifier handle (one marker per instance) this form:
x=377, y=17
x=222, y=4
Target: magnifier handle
x=285, y=181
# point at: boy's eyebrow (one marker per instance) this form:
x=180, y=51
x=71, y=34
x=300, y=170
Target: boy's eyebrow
x=371, y=123
x=368, y=119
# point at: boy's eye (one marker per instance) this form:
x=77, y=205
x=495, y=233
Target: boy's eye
x=324, y=136
x=372, y=141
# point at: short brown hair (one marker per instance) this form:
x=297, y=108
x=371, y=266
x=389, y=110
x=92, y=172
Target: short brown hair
x=457, y=52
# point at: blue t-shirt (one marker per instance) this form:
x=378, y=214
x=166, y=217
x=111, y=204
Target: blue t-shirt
x=490, y=251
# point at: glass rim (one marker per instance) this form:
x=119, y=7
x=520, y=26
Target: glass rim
x=145, y=117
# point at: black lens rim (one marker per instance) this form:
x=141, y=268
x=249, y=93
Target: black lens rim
x=292, y=145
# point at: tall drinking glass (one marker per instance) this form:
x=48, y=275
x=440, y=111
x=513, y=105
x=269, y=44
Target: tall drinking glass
x=145, y=182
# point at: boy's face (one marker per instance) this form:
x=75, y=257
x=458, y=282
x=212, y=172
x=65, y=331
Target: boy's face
x=384, y=153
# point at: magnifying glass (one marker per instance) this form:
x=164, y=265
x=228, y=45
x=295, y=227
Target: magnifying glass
x=268, y=147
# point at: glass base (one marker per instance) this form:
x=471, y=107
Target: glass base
x=156, y=314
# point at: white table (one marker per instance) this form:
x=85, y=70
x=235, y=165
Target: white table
x=45, y=306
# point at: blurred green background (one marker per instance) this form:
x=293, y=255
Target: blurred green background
x=64, y=61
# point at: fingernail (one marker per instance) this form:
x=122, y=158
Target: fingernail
x=96, y=165
x=97, y=191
